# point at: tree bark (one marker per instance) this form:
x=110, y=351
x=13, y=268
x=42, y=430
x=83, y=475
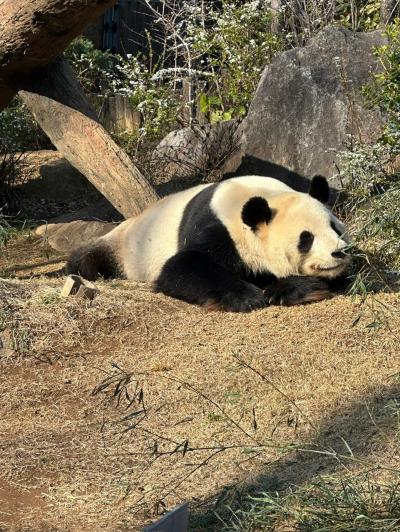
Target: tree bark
x=34, y=32
x=388, y=11
x=61, y=108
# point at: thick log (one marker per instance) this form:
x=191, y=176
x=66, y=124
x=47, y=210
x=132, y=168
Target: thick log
x=34, y=32
x=59, y=105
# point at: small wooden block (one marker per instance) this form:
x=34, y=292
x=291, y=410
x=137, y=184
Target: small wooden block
x=87, y=290
x=77, y=285
x=71, y=285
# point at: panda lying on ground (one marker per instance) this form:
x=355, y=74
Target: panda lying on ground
x=238, y=245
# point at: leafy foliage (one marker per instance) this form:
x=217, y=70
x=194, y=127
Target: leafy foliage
x=94, y=68
x=370, y=203
x=105, y=74
x=156, y=100
x=19, y=130
x=350, y=504
x=372, y=193
x=18, y=133
x=359, y=16
x=301, y=20
x=232, y=44
x=226, y=46
x=384, y=92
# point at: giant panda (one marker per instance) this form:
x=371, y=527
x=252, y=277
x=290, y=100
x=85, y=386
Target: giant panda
x=238, y=245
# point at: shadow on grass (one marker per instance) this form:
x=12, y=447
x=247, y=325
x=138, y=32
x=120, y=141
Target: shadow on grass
x=360, y=428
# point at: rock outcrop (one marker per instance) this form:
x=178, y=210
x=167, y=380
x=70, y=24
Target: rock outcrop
x=187, y=156
x=308, y=106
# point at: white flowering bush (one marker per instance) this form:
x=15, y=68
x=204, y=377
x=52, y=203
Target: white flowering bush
x=95, y=69
x=224, y=47
x=155, y=98
x=103, y=73
x=220, y=48
x=230, y=46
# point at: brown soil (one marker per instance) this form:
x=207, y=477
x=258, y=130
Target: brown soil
x=48, y=188
x=27, y=256
x=117, y=409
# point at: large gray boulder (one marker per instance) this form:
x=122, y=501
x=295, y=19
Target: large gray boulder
x=308, y=106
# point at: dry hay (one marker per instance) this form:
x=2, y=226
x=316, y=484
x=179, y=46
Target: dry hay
x=176, y=414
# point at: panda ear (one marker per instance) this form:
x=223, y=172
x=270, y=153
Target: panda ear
x=319, y=188
x=255, y=212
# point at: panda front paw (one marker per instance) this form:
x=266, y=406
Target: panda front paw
x=297, y=290
x=246, y=299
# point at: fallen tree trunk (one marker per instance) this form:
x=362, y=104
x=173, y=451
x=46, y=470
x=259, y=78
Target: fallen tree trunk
x=34, y=32
x=61, y=108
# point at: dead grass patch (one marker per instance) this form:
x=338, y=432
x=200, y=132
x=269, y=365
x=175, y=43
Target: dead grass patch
x=117, y=409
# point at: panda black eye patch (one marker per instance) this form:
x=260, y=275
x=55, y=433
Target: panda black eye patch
x=305, y=242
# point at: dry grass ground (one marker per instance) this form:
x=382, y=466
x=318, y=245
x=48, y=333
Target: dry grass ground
x=115, y=409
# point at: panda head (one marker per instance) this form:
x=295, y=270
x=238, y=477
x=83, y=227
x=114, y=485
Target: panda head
x=294, y=233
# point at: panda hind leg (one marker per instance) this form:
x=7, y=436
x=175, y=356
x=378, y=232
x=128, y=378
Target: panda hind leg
x=297, y=290
x=93, y=261
x=194, y=277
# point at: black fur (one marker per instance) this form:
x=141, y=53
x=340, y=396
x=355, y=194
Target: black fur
x=305, y=241
x=201, y=230
x=294, y=290
x=208, y=270
x=319, y=189
x=255, y=212
x=193, y=276
x=92, y=261
x=196, y=216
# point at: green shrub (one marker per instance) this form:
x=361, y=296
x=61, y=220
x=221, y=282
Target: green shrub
x=19, y=131
x=226, y=45
x=371, y=197
x=361, y=15
x=104, y=73
x=155, y=98
x=95, y=69
x=369, y=203
x=232, y=45
x=384, y=91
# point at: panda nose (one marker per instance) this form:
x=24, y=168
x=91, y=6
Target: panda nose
x=338, y=254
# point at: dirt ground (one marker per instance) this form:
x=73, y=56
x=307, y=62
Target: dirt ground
x=116, y=410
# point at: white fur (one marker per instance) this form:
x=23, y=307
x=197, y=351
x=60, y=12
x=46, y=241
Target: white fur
x=274, y=246
x=143, y=244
